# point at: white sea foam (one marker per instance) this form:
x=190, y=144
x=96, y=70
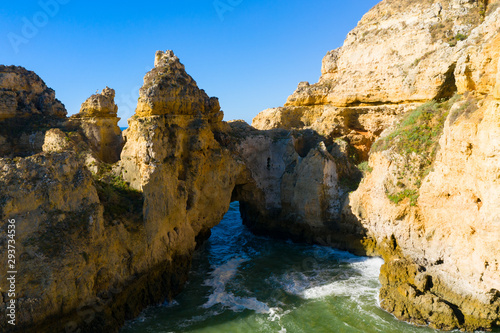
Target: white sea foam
x=219, y=278
x=275, y=315
x=355, y=280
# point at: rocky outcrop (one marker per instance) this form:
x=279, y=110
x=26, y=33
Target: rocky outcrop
x=98, y=122
x=24, y=94
x=168, y=87
x=96, y=250
x=448, y=235
x=441, y=219
x=99, y=241
x=395, y=56
x=392, y=61
x=290, y=185
x=27, y=108
x=496, y=92
x=172, y=155
x=359, y=126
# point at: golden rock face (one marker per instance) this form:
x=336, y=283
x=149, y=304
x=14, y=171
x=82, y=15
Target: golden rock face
x=99, y=105
x=21, y=92
x=169, y=90
x=112, y=235
x=90, y=238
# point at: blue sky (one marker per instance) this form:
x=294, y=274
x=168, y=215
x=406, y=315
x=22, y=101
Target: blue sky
x=249, y=54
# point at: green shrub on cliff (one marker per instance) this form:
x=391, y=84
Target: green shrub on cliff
x=400, y=196
x=414, y=142
x=364, y=167
x=419, y=130
x=120, y=201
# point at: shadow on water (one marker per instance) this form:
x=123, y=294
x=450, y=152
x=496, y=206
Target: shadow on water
x=240, y=282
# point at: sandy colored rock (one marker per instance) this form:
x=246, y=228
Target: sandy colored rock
x=24, y=94
x=55, y=141
x=290, y=187
x=98, y=122
x=399, y=52
x=168, y=89
x=109, y=240
x=100, y=105
x=451, y=233
x=497, y=86
x=27, y=108
x=95, y=250
x=440, y=265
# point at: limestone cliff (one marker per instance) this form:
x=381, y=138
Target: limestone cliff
x=290, y=185
x=442, y=215
x=425, y=79
x=172, y=155
x=392, y=61
x=101, y=240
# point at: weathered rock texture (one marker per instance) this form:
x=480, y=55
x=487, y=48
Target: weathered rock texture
x=290, y=185
x=173, y=157
x=402, y=53
x=434, y=220
x=23, y=96
x=98, y=121
x=101, y=241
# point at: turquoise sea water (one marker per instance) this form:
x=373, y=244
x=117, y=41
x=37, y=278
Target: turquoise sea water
x=244, y=283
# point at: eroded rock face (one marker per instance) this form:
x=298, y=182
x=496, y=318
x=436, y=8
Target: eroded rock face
x=400, y=52
x=496, y=92
x=441, y=263
x=450, y=236
x=169, y=89
x=98, y=121
x=56, y=208
x=106, y=238
x=23, y=94
x=392, y=61
x=27, y=107
x=290, y=186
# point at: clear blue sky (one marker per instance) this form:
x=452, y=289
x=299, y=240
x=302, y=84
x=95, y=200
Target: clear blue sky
x=251, y=54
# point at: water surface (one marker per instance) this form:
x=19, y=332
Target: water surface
x=240, y=282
